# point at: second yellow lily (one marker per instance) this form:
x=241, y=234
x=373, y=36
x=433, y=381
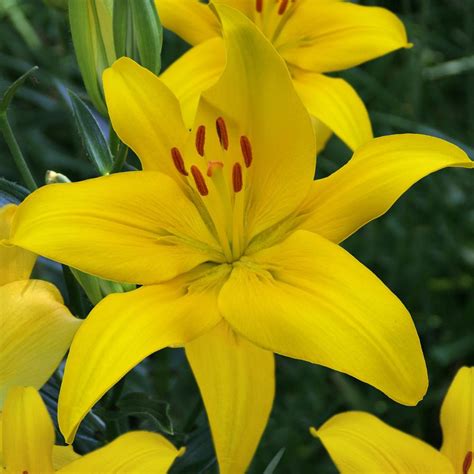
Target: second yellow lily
x=312, y=36
x=234, y=243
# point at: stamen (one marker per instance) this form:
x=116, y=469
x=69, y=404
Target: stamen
x=199, y=180
x=259, y=6
x=178, y=161
x=213, y=165
x=467, y=462
x=200, y=139
x=237, y=177
x=283, y=5
x=222, y=133
x=246, y=148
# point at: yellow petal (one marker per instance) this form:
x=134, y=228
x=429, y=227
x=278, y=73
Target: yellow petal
x=309, y=299
x=190, y=19
x=237, y=383
x=28, y=433
x=135, y=227
x=256, y=97
x=330, y=36
x=359, y=442
x=119, y=333
x=63, y=455
x=193, y=73
x=322, y=132
x=335, y=103
x=376, y=176
x=36, y=331
x=144, y=113
x=15, y=263
x=457, y=421
x=135, y=452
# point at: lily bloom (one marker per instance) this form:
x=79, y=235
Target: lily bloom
x=234, y=244
x=360, y=442
x=36, y=326
x=314, y=37
x=28, y=444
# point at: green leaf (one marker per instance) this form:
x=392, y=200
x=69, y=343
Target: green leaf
x=138, y=32
x=270, y=469
x=92, y=137
x=140, y=405
x=11, y=91
x=12, y=192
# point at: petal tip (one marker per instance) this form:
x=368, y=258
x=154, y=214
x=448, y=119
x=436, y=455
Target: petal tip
x=313, y=432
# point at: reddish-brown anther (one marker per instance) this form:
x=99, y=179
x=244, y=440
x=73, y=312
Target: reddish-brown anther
x=283, y=5
x=467, y=462
x=246, y=148
x=200, y=139
x=200, y=181
x=237, y=177
x=259, y=6
x=222, y=133
x=178, y=161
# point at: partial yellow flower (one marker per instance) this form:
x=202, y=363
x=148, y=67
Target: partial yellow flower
x=28, y=444
x=313, y=37
x=234, y=243
x=36, y=327
x=360, y=442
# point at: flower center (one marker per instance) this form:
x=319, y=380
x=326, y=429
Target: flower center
x=219, y=182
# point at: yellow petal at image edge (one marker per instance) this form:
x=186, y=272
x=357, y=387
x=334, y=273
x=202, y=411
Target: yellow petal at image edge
x=135, y=452
x=309, y=299
x=28, y=433
x=116, y=227
x=119, y=333
x=370, y=183
x=237, y=383
x=36, y=331
x=359, y=442
x=15, y=263
x=457, y=418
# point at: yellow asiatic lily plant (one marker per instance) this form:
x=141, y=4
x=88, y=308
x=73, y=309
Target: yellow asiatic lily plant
x=27, y=444
x=234, y=244
x=360, y=442
x=36, y=328
x=312, y=36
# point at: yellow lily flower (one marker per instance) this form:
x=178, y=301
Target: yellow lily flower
x=28, y=444
x=234, y=243
x=313, y=37
x=360, y=442
x=36, y=327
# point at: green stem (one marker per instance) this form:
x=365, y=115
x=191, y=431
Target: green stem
x=15, y=150
x=120, y=157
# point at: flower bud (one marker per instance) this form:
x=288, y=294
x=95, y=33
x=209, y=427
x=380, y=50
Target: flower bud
x=104, y=30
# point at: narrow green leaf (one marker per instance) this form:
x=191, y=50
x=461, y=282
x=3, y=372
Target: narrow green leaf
x=92, y=137
x=12, y=192
x=270, y=469
x=11, y=91
x=122, y=26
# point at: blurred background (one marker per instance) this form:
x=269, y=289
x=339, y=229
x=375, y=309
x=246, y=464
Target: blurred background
x=423, y=249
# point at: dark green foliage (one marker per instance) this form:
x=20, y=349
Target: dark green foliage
x=423, y=249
